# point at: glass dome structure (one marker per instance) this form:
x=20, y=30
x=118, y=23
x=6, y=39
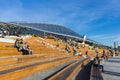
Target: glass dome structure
x=39, y=28
x=50, y=28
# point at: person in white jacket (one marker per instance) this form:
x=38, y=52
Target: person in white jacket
x=101, y=62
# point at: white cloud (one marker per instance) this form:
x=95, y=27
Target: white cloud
x=107, y=38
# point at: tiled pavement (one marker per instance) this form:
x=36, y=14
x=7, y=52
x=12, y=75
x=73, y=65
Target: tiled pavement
x=112, y=69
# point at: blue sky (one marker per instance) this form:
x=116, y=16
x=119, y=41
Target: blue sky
x=98, y=19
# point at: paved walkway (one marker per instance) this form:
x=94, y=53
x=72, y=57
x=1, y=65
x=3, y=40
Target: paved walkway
x=112, y=69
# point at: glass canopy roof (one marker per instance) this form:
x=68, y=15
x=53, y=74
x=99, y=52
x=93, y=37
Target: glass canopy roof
x=51, y=28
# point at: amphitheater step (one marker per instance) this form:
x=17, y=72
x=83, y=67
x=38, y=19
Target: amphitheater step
x=18, y=61
x=68, y=71
x=44, y=75
x=17, y=73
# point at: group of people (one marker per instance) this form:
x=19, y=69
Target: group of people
x=68, y=50
x=76, y=52
x=98, y=62
x=23, y=47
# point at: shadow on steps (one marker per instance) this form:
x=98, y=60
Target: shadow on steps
x=84, y=74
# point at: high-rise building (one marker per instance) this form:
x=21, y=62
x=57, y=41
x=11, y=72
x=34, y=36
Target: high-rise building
x=115, y=45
